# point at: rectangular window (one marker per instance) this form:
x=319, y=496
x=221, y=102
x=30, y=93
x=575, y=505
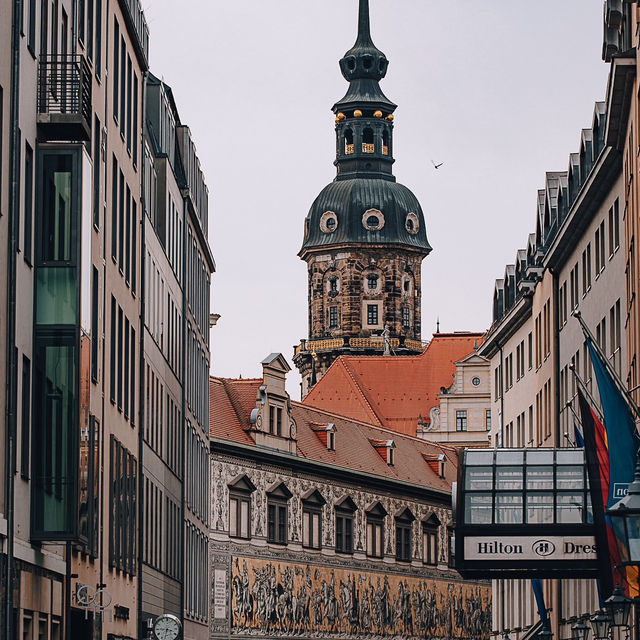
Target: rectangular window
x=132, y=397
x=112, y=359
x=126, y=365
x=375, y=545
x=129, y=101
x=121, y=214
x=276, y=521
x=31, y=31
x=487, y=419
x=119, y=355
x=311, y=528
x=135, y=120
x=90, y=29
x=403, y=540
x=461, y=420
x=127, y=260
x=122, y=498
x=81, y=20
x=239, y=509
x=430, y=545
x=94, y=324
x=116, y=68
x=134, y=245
x=344, y=532
x=272, y=419
x=114, y=209
x=123, y=86
x=333, y=317
x=28, y=202
x=26, y=418
x=98, y=65
x=97, y=136
x=279, y=421
x=530, y=349
x=406, y=323
x=372, y=314
x=55, y=418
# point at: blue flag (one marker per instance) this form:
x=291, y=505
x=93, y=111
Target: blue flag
x=622, y=437
x=536, y=583
x=577, y=434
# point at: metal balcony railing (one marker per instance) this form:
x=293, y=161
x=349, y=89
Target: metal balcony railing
x=64, y=97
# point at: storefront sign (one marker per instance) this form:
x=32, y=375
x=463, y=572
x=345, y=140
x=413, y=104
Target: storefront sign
x=549, y=548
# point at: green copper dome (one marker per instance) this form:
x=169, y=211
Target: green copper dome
x=354, y=204
x=365, y=205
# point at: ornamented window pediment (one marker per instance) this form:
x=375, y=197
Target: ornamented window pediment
x=242, y=483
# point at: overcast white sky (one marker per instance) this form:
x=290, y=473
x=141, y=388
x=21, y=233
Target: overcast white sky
x=496, y=90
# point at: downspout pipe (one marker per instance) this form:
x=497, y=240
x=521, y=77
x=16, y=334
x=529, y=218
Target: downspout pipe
x=141, y=359
x=11, y=353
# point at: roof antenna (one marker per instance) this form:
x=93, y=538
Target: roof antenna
x=438, y=325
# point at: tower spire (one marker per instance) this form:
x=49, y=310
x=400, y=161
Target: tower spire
x=364, y=24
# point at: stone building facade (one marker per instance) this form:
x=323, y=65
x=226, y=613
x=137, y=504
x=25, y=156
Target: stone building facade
x=326, y=526
x=364, y=236
x=573, y=263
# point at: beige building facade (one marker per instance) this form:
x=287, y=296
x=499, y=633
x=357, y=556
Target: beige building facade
x=573, y=264
x=77, y=332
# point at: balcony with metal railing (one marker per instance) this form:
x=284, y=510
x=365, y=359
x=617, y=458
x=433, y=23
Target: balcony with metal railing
x=64, y=98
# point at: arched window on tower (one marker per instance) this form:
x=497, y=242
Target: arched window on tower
x=385, y=143
x=367, y=141
x=348, y=142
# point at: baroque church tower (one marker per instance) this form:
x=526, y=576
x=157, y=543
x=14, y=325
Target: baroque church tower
x=364, y=236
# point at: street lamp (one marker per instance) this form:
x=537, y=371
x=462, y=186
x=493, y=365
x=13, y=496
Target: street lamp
x=625, y=521
x=579, y=631
x=618, y=607
x=600, y=623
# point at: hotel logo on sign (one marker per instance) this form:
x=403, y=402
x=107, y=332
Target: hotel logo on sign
x=530, y=548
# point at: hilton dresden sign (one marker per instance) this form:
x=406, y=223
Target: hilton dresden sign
x=530, y=548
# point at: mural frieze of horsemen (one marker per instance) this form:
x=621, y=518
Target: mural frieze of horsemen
x=287, y=599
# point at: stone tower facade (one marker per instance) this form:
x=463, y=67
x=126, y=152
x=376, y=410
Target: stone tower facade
x=365, y=236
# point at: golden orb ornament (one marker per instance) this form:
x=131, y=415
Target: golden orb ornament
x=377, y=114
x=357, y=113
x=390, y=117
x=340, y=116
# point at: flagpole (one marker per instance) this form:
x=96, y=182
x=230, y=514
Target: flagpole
x=612, y=372
x=582, y=384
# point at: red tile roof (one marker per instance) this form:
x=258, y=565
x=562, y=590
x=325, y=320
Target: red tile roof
x=392, y=391
x=353, y=447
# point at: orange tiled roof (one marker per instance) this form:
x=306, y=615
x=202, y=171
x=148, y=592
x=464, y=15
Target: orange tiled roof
x=353, y=441
x=392, y=390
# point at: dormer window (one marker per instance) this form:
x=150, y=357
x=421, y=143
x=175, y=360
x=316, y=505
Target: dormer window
x=331, y=441
x=326, y=434
x=275, y=420
x=385, y=449
x=436, y=462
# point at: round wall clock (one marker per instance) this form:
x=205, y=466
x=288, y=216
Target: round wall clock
x=167, y=627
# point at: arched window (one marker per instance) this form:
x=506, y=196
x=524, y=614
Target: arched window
x=367, y=141
x=372, y=280
x=385, y=143
x=348, y=142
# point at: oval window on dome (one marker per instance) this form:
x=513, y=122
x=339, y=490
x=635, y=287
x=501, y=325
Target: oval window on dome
x=412, y=223
x=328, y=222
x=373, y=220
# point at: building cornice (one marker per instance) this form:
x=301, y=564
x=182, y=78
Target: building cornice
x=334, y=472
